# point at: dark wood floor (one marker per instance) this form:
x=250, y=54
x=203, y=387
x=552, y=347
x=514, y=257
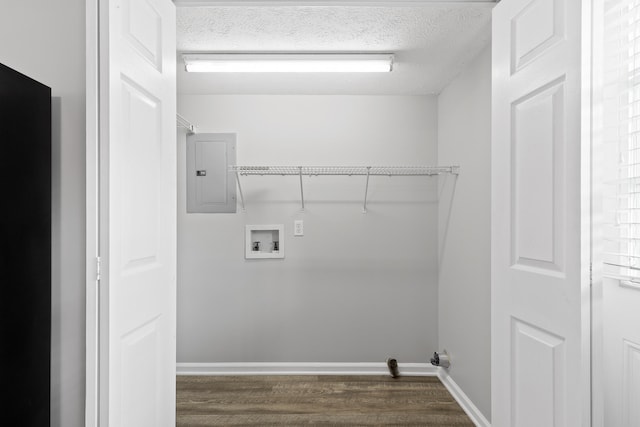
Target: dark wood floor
x=316, y=400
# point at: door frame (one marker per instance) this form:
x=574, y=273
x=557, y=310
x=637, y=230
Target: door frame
x=586, y=200
x=92, y=211
x=597, y=191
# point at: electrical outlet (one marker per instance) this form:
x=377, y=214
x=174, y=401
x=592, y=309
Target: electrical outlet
x=298, y=228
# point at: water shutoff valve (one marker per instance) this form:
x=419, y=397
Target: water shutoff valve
x=441, y=359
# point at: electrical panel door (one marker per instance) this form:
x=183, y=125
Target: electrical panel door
x=211, y=186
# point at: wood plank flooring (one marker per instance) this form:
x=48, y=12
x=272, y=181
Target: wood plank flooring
x=316, y=400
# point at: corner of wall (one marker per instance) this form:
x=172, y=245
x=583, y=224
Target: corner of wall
x=464, y=282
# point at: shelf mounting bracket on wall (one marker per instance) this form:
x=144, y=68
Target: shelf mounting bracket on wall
x=367, y=171
x=184, y=123
x=240, y=190
x=301, y=189
x=366, y=190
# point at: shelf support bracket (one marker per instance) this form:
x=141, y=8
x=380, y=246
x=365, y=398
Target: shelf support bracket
x=240, y=191
x=366, y=191
x=301, y=188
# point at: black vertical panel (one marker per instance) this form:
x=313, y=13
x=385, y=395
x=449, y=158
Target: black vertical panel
x=25, y=261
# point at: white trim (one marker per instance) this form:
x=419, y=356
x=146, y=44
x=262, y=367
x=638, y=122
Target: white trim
x=463, y=400
x=597, y=214
x=303, y=368
x=91, y=210
x=586, y=209
x=293, y=3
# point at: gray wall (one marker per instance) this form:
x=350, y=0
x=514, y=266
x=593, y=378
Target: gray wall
x=46, y=40
x=355, y=288
x=464, y=138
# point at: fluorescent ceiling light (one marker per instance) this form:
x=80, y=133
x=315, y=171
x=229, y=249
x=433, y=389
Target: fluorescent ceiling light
x=288, y=63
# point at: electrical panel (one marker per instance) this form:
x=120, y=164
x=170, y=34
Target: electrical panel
x=211, y=186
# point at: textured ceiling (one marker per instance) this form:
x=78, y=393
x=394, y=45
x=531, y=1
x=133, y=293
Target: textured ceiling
x=432, y=43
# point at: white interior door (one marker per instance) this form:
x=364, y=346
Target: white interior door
x=137, y=213
x=540, y=303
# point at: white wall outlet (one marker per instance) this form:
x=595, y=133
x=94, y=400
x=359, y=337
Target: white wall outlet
x=298, y=228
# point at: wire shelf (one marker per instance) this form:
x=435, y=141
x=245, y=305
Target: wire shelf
x=345, y=170
x=366, y=171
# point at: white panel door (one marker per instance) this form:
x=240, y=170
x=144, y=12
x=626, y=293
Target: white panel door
x=539, y=363
x=138, y=213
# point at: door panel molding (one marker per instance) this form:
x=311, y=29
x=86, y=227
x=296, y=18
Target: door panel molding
x=538, y=184
x=539, y=366
x=529, y=41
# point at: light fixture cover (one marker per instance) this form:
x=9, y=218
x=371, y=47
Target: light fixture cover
x=288, y=62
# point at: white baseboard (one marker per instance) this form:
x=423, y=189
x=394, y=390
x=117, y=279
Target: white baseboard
x=322, y=368
x=303, y=368
x=463, y=400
